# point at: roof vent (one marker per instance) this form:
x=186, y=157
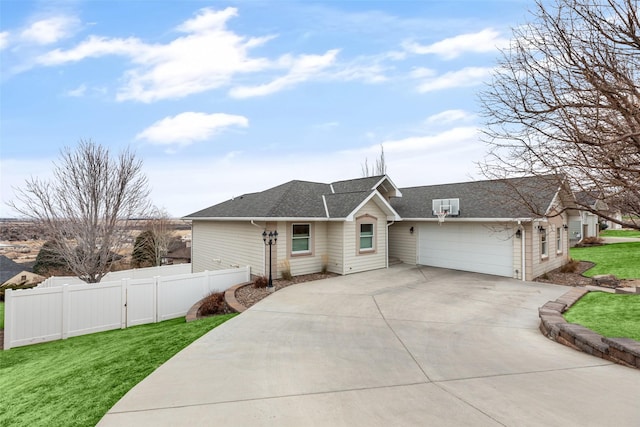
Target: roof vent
x=450, y=206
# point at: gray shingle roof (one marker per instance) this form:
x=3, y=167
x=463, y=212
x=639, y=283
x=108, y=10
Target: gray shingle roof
x=296, y=199
x=303, y=199
x=9, y=268
x=509, y=198
x=359, y=184
x=340, y=205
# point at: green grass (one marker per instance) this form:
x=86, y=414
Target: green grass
x=620, y=233
x=1, y=315
x=611, y=315
x=619, y=259
x=74, y=382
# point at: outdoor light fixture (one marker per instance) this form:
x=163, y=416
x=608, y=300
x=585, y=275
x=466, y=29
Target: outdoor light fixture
x=541, y=229
x=519, y=233
x=270, y=239
x=565, y=226
x=411, y=230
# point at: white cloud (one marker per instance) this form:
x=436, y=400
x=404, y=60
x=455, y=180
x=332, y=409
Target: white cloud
x=448, y=137
x=189, y=127
x=301, y=68
x=466, y=77
x=209, y=56
x=4, y=39
x=422, y=72
x=50, y=30
x=77, y=92
x=206, y=57
x=487, y=40
x=450, y=116
x=94, y=47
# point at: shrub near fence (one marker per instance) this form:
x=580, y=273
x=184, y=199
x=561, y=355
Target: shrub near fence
x=44, y=314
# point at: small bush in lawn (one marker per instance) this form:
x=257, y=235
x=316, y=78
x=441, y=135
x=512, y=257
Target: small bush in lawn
x=570, y=267
x=214, y=303
x=590, y=241
x=325, y=264
x=285, y=270
x=260, y=282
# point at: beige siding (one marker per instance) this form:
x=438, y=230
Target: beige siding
x=356, y=262
x=541, y=265
x=218, y=245
x=335, y=246
x=303, y=264
x=403, y=243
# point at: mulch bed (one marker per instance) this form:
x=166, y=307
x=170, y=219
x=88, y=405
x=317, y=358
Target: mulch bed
x=248, y=295
x=577, y=279
x=568, y=279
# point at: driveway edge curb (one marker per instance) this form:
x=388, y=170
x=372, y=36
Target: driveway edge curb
x=553, y=325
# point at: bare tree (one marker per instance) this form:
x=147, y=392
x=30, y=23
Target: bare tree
x=380, y=167
x=153, y=242
x=564, y=101
x=87, y=206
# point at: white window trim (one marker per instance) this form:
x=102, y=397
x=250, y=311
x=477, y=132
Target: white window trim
x=544, y=254
x=559, y=240
x=306, y=251
x=367, y=219
x=373, y=237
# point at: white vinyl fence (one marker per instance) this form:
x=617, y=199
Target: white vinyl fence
x=136, y=273
x=45, y=314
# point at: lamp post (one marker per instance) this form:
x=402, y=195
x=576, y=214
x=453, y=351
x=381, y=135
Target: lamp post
x=270, y=239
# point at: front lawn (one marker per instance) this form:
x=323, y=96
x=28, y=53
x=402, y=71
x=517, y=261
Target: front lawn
x=610, y=315
x=1, y=315
x=74, y=382
x=620, y=233
x=619, y=259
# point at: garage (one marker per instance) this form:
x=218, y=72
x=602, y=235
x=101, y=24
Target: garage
x=466, y=246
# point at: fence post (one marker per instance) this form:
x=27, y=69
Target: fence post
x=8, y=311
x=124, y=303
x=65, y=311
x=158, y=295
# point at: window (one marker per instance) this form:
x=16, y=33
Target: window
x=301, y=238
x=366, y=237
x=558, y=239
x=543, y=243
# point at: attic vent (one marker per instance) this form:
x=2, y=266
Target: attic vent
x=451, y=206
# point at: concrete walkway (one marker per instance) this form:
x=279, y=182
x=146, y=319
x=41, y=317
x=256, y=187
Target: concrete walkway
x=405, y=346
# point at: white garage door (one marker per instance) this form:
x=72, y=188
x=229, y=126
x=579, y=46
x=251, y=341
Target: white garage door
x=466, y=246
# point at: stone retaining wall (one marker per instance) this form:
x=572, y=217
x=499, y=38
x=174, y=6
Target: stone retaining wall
x=553, y=325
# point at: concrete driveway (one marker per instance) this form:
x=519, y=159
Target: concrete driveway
x=405, y=346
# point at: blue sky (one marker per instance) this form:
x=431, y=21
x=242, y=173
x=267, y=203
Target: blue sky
x=224, y=98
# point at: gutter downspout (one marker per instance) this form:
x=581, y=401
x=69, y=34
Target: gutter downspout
x=389, y=224
x=523, y=246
